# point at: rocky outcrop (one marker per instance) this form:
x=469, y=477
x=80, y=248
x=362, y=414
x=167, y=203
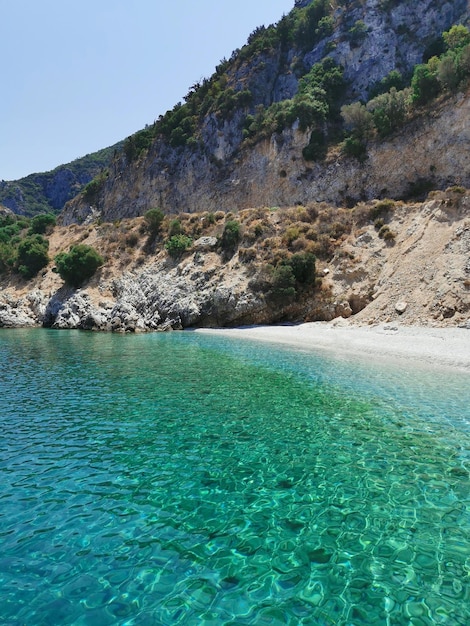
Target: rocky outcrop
x=199, y=291
x=221, y=172
x=371, y=278
x=422, y=275
x=396, y=37
x=22, y=310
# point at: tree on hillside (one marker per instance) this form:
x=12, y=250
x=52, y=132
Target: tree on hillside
x=42, y=223
x=32, y=255
x=153, y=220
x=424, y=84
x=78, y=265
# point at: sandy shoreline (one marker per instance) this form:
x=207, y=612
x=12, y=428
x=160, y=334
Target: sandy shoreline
x=439, y=347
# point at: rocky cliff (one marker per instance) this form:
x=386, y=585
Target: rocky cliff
x=431, y=152
x=219, y=168
x=411, y=264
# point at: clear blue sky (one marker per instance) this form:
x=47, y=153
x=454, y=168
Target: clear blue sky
x=79, y=75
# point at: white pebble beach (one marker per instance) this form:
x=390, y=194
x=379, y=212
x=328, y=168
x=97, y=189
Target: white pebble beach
x=439, y=347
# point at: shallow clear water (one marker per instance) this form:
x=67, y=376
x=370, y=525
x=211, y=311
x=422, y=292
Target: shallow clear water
x=191, y=479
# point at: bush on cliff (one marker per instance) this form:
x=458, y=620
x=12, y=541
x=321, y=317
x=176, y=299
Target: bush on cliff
x=78, y=265
x=32, y=255
x=42, y=223
x=231, y=235
x=153, y=220
x=291, y=276
x=177, y=244
x=7, y=257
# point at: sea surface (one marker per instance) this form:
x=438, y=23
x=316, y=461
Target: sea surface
x=192, y=479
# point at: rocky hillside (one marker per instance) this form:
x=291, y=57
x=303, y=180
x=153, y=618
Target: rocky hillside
x=267, y=128
x=381, y=261
x=48, y=192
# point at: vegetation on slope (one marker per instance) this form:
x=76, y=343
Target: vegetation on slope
x=48, y=192
x=23, y=247
x=321, y=93
x=223, y=97
x=78, y=264
x=391, y=107
x=300, y=263
x=24, y=250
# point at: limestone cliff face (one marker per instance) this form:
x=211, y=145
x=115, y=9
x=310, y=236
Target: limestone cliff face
x=430, y=152
x=398, y=33
x=224, y=173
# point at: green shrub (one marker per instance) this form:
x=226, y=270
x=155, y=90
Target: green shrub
x=137, y=143
x=42, y=223
x=92, y=189
x=209, y=219
x=393, y=79
x=389, y=110
x=8, y=232
x=22, y=222
x=310, y=25
x=457, y=37
x=386, y=234
x=177, y=244
x=32, y=255
x=381, y=209
x=231, y=235
x=153, y=221
x=424, y=84
x=354, y=147
x=282, y=284
x=448, y=73
x=325, y=81
x=78, y=265
x=7, y=257
x=315, y=104
x=291, y=275
x=174, y=228
x=303, y=267
x=291, y=233
x=325, y=27
x=358, y=120
x=7, y=220
x=316, y=149
x=357, y=33
x=463, y=60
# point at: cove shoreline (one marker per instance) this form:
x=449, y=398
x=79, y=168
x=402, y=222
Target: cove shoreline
x=436, y=347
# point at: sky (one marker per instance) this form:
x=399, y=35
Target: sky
x=80, y=75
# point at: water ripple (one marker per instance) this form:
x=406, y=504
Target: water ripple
x=187, y=480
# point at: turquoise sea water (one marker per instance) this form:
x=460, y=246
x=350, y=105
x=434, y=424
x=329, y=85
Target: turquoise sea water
x=190, y=479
